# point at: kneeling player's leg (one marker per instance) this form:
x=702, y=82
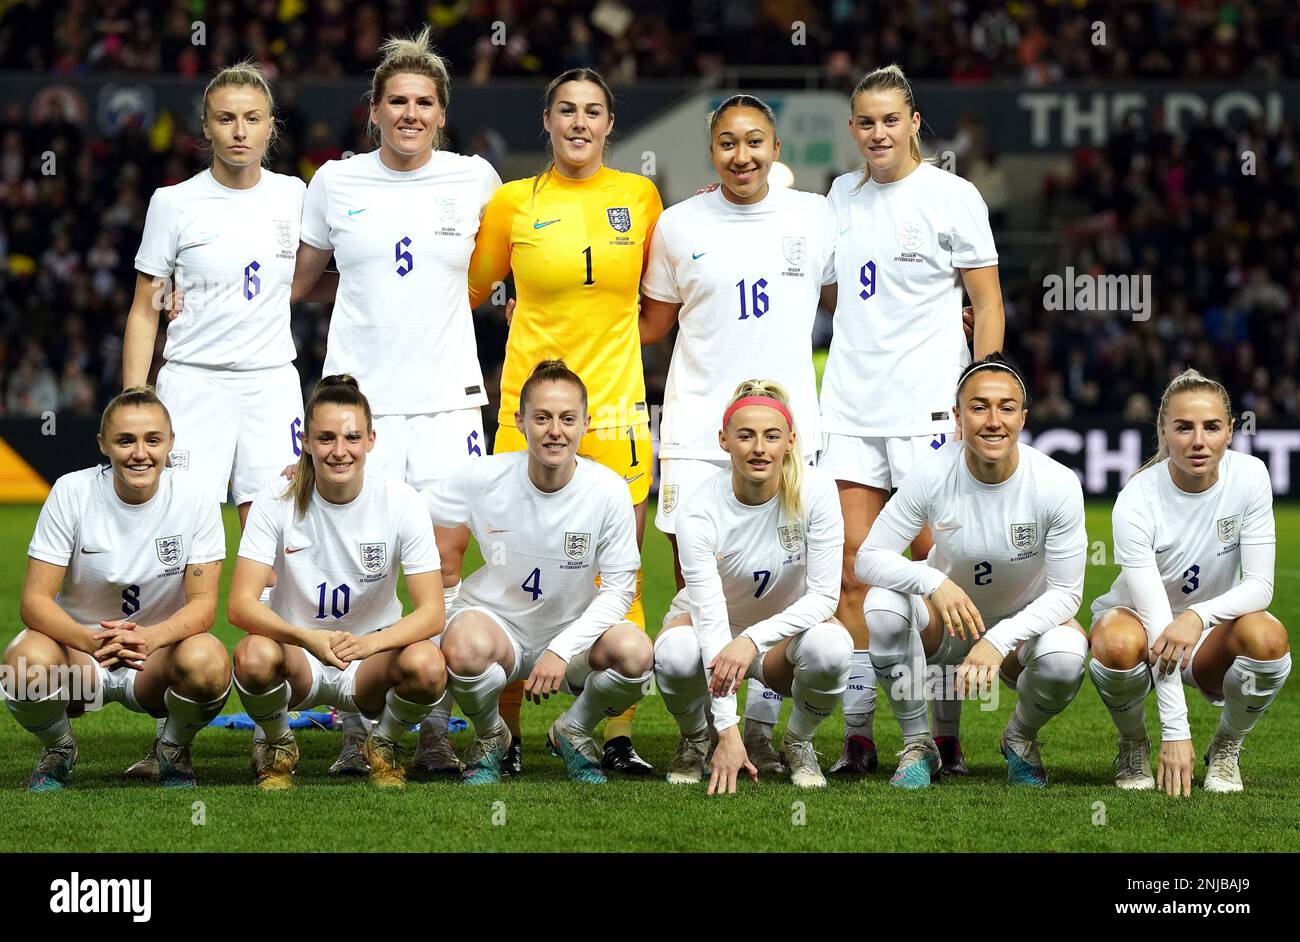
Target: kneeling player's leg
x=814, y=667
x=269, y=677
x=621, y=661
x=37, y=697
x=899, y=657
x=1050, y=669
x=189, y=682
x=401, y=686
x=679, y=676
x=1119, y=670
x=479, y=658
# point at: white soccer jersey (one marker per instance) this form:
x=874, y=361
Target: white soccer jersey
x=748, y=278
x=336, y=566
x=125, y=560
x=1200, y=545
x=233, y=254
x=543, y=551
x=750, y=571
x=1018, y=549
x=402, y=241
x=898, y=345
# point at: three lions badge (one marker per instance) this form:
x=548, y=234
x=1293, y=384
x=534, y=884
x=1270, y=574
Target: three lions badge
x=620, y=218
x=577, y=545
x=791, y=537
x=169, y=549
x=1229, y=529
x=1024, y=535
x=374, y=557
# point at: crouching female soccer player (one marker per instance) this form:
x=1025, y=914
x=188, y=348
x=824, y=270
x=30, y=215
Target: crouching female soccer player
x=1184, y=526
x=549, y=522
x=760, y=550
x=1009, y=552
x=121, y=590
x=334, y=632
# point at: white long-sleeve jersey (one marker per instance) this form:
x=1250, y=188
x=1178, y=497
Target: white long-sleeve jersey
x=1211, y=552
x=542, y=551
x=751, y=572
x=1018, y=548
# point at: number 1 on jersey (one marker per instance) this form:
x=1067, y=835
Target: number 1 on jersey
x=533, y=584
x=587, y=253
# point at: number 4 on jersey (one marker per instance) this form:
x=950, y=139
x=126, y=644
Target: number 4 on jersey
x=533, y=584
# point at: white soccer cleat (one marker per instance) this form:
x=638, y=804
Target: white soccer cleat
x=1223, y=764
x=434, y=754
x=1133, y=765
x=761, y=753
x=801, y=758
x=690, y=762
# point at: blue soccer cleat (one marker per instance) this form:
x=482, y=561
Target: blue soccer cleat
x=918, y=764
x=175, y=765
x=483, y=760
x=579, y=752
x=1024, y=767
x=54, y=766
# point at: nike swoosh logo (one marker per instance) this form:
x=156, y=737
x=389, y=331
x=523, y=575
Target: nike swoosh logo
x=696, y=257
x=1165, y=549
x=857, y=677
x=353, y=212
x=636, y=478
x=938, y=529
x=495, y=530
x=294, y=549
x=84, y=550
x=538, y=224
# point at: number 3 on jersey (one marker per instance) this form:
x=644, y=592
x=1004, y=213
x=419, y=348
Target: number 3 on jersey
x=533, y=584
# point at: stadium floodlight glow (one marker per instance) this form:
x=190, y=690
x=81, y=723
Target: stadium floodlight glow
x=780, y=175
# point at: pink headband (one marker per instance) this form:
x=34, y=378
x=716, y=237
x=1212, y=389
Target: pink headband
x=768, y=401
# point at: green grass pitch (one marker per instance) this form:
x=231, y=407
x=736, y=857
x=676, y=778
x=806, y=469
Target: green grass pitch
x=1081, y=811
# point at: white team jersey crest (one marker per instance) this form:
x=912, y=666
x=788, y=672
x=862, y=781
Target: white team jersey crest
x=170, y=549
x=577, y=545
x=910, y=235
x=1228, y=528
x=795, y=249
x=1024, y=535
x=179, y=459
x=791, y=537
x=374, y=556
x=668, y=498
x=283, y=234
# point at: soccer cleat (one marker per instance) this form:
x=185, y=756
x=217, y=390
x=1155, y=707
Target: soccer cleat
x=513, y=763
x=762, y=755
x=275, y=762
x=690, y=762
x=385, y=760
x=146, y=770
x=858, y=757
x=484, y=758
x=175, y=765
x=434, y=754
x=619, y=756
x=918, y=764
x=54, y=766
x=352, y=760
x=578, y=750
x=1223, y=764
x=950, y=755
x=1024, y=766
x=801, y=758
x=1133, y=765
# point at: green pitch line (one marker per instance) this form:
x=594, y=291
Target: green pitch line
x=1081, y=811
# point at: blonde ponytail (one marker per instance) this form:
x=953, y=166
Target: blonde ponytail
x=889, y=78
x=1189, y=380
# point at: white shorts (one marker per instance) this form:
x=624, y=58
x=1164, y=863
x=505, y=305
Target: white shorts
x=117, y=685
x=422, y=449
x=1188, y=678
x=678, y=479
x=526, y=655
x=240, y=428
x=330, y=686
x=875, y=462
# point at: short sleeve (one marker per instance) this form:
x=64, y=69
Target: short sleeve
x=158, y=244
x=55, y=538
x=315, y=228
x=262, y=539
x=1258, y=525
x=830, y=237
x=489, y=183
x=618, y=550
x=660, y=281
x=970, y=240
x=209, y=535
x=418, y=549
x=446, y=502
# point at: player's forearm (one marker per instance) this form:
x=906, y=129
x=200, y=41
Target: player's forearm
x=990, y=328
x=608, y=608
x=45, y=616
x=1254, y=593
x=252, y=617
x=890, y=570
x=811, y=609
x=193, y=618
x=137, y=345
x=323, y=291
x=1152, y=605
x=1059, y=602
x=419, y=625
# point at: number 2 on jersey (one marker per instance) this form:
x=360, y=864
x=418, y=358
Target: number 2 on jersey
x=984, y=573
x=533, y=584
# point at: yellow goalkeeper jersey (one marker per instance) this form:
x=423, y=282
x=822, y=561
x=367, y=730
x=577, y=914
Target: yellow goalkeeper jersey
x=577, y=249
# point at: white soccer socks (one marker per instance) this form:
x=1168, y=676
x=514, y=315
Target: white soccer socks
x=821, y=673
x=606, y=693
x=270, y=710
x=899, y=658
x=46, y=718
x=860, y=696
x=479, y=697
x=1124, y=692
x=401, y=714
x=679, y=677
x=185, y=717
x=1050, y=680
x=762, y=706
x=1249, y=686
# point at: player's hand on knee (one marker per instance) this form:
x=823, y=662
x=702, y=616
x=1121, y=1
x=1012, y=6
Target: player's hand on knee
x=978, y=673
x=1174, y=772
x=730, y=665
x=546, y=678
x=961, y=619
x=320, y=644
x=349, y=647
x=1173, y=649
x=729, y=759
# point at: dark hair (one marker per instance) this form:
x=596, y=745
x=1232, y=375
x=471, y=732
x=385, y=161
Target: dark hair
x=742, y=101
x=341, y=390
x=132, y=396
x=582, y=74
x=551, y=371
x=996, y=361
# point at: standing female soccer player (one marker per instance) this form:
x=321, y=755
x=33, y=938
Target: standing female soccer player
x=121, y=589
x=911, y=237
x=1184, y=526
x=549, y=523
x=741, y=269
x=1009, y=553
x=400, y=223
x=760, y=549
x=334, y=632
x=576, y=237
